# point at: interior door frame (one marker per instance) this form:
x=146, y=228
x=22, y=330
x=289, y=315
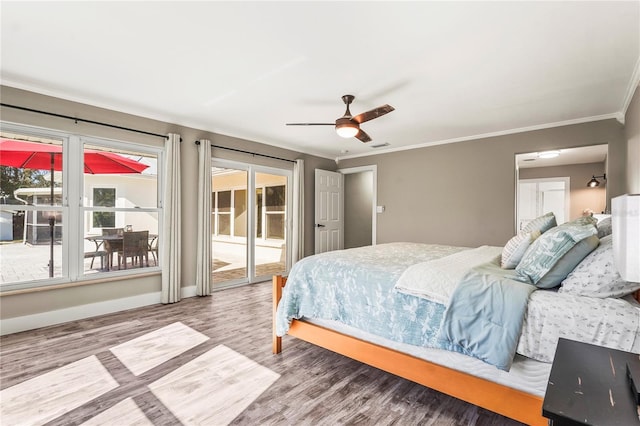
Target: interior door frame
x=567, y=195
x=251, y=170
x=374, y=193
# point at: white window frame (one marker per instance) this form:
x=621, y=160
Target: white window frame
x=72, y=209
x=93, y=229
x=251, y=170
x=265, y=213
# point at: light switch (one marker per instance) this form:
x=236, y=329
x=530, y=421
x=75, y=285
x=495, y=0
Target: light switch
x=379, y=209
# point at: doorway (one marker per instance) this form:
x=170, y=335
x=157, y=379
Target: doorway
x=539, y=196
x=360, y=199
x=250, y=209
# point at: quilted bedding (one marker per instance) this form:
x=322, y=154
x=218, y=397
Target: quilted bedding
x=356, y=288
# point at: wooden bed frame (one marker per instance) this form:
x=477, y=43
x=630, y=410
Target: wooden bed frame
x=509, y=402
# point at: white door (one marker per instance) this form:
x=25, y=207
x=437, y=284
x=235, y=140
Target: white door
x=540, y=196
x=329, y=211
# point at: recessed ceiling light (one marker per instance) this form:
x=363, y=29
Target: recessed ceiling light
x=548, y=154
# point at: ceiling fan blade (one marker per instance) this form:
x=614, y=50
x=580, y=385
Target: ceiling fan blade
x=374, y=113
x=311, y=124
x=362, y=136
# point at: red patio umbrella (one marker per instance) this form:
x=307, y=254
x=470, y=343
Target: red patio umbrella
x=42, y=156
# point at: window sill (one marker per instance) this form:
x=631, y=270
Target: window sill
x=79, y=283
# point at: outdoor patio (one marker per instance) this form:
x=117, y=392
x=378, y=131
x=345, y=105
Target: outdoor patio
x=21, y=262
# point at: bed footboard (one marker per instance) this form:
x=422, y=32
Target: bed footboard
x=495, y=397
x=278, y=282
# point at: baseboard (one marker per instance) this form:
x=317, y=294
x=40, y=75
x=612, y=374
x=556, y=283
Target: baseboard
x=188, y=292
x=60, y=316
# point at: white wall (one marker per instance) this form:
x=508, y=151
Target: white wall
x=131, y=191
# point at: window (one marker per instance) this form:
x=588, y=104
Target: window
x=46, y=238
x=223, y=209
x=275, y=205
x=104, y=197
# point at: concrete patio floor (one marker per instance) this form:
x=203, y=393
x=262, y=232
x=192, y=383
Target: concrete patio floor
x=24, y=262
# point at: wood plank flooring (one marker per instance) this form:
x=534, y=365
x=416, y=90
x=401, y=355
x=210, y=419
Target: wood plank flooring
x=316, y=386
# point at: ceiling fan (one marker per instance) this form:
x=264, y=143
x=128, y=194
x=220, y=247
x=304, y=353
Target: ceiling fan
x=348, y=126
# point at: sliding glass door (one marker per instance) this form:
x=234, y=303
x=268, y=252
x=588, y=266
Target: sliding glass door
x=229, y=224
x=249, y=222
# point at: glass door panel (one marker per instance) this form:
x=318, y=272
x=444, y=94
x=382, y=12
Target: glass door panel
x=270, y=224
x=229, y=233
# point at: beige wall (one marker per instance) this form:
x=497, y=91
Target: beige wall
x=581, y=196
x=464, y=193
x=43, y=301
x=632, y=134
x=460, y=194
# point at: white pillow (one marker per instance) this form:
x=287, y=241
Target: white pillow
x=604, y=227
x=515, y=248
x=596, y=275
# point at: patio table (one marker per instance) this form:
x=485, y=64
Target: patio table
x=111, y=242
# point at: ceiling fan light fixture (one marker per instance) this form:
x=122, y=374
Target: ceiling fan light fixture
x=346, y=128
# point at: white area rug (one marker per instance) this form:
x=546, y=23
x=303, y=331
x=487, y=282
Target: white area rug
x=214, y=388
x=126, y=412
x=152, y=349
x=46, y=397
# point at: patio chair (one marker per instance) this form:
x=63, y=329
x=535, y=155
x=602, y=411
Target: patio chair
x=153, y=249
x=102, y=254
x=136, y=246
x=112, y=246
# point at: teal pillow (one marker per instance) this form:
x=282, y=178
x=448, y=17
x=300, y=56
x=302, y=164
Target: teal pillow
x=542, y=224
x=550, y=247
x=568, y=262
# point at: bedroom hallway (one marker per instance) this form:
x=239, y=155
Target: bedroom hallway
x=217, y=347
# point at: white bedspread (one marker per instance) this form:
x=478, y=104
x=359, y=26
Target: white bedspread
x=435, y=280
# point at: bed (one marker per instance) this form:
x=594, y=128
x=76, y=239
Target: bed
x=351, y=302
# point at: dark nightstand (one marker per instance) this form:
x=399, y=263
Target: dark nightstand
x=588, y=385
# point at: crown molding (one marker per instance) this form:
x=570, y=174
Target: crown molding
x=631, y=89
x=487, y=135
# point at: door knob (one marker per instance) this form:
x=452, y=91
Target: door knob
x=319, y=225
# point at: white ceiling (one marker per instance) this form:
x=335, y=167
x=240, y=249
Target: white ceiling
x=452, y=70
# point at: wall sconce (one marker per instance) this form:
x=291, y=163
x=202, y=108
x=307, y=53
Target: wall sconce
x=594, y=182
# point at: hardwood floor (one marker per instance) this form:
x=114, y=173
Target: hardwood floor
x=315, y=387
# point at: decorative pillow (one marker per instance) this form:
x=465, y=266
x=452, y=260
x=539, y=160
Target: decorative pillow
x=547, y=250
x=604, y=227
x=585, y=220
x=515, y=248
x=596, y=275
x=568, y=262
x=542, y=223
